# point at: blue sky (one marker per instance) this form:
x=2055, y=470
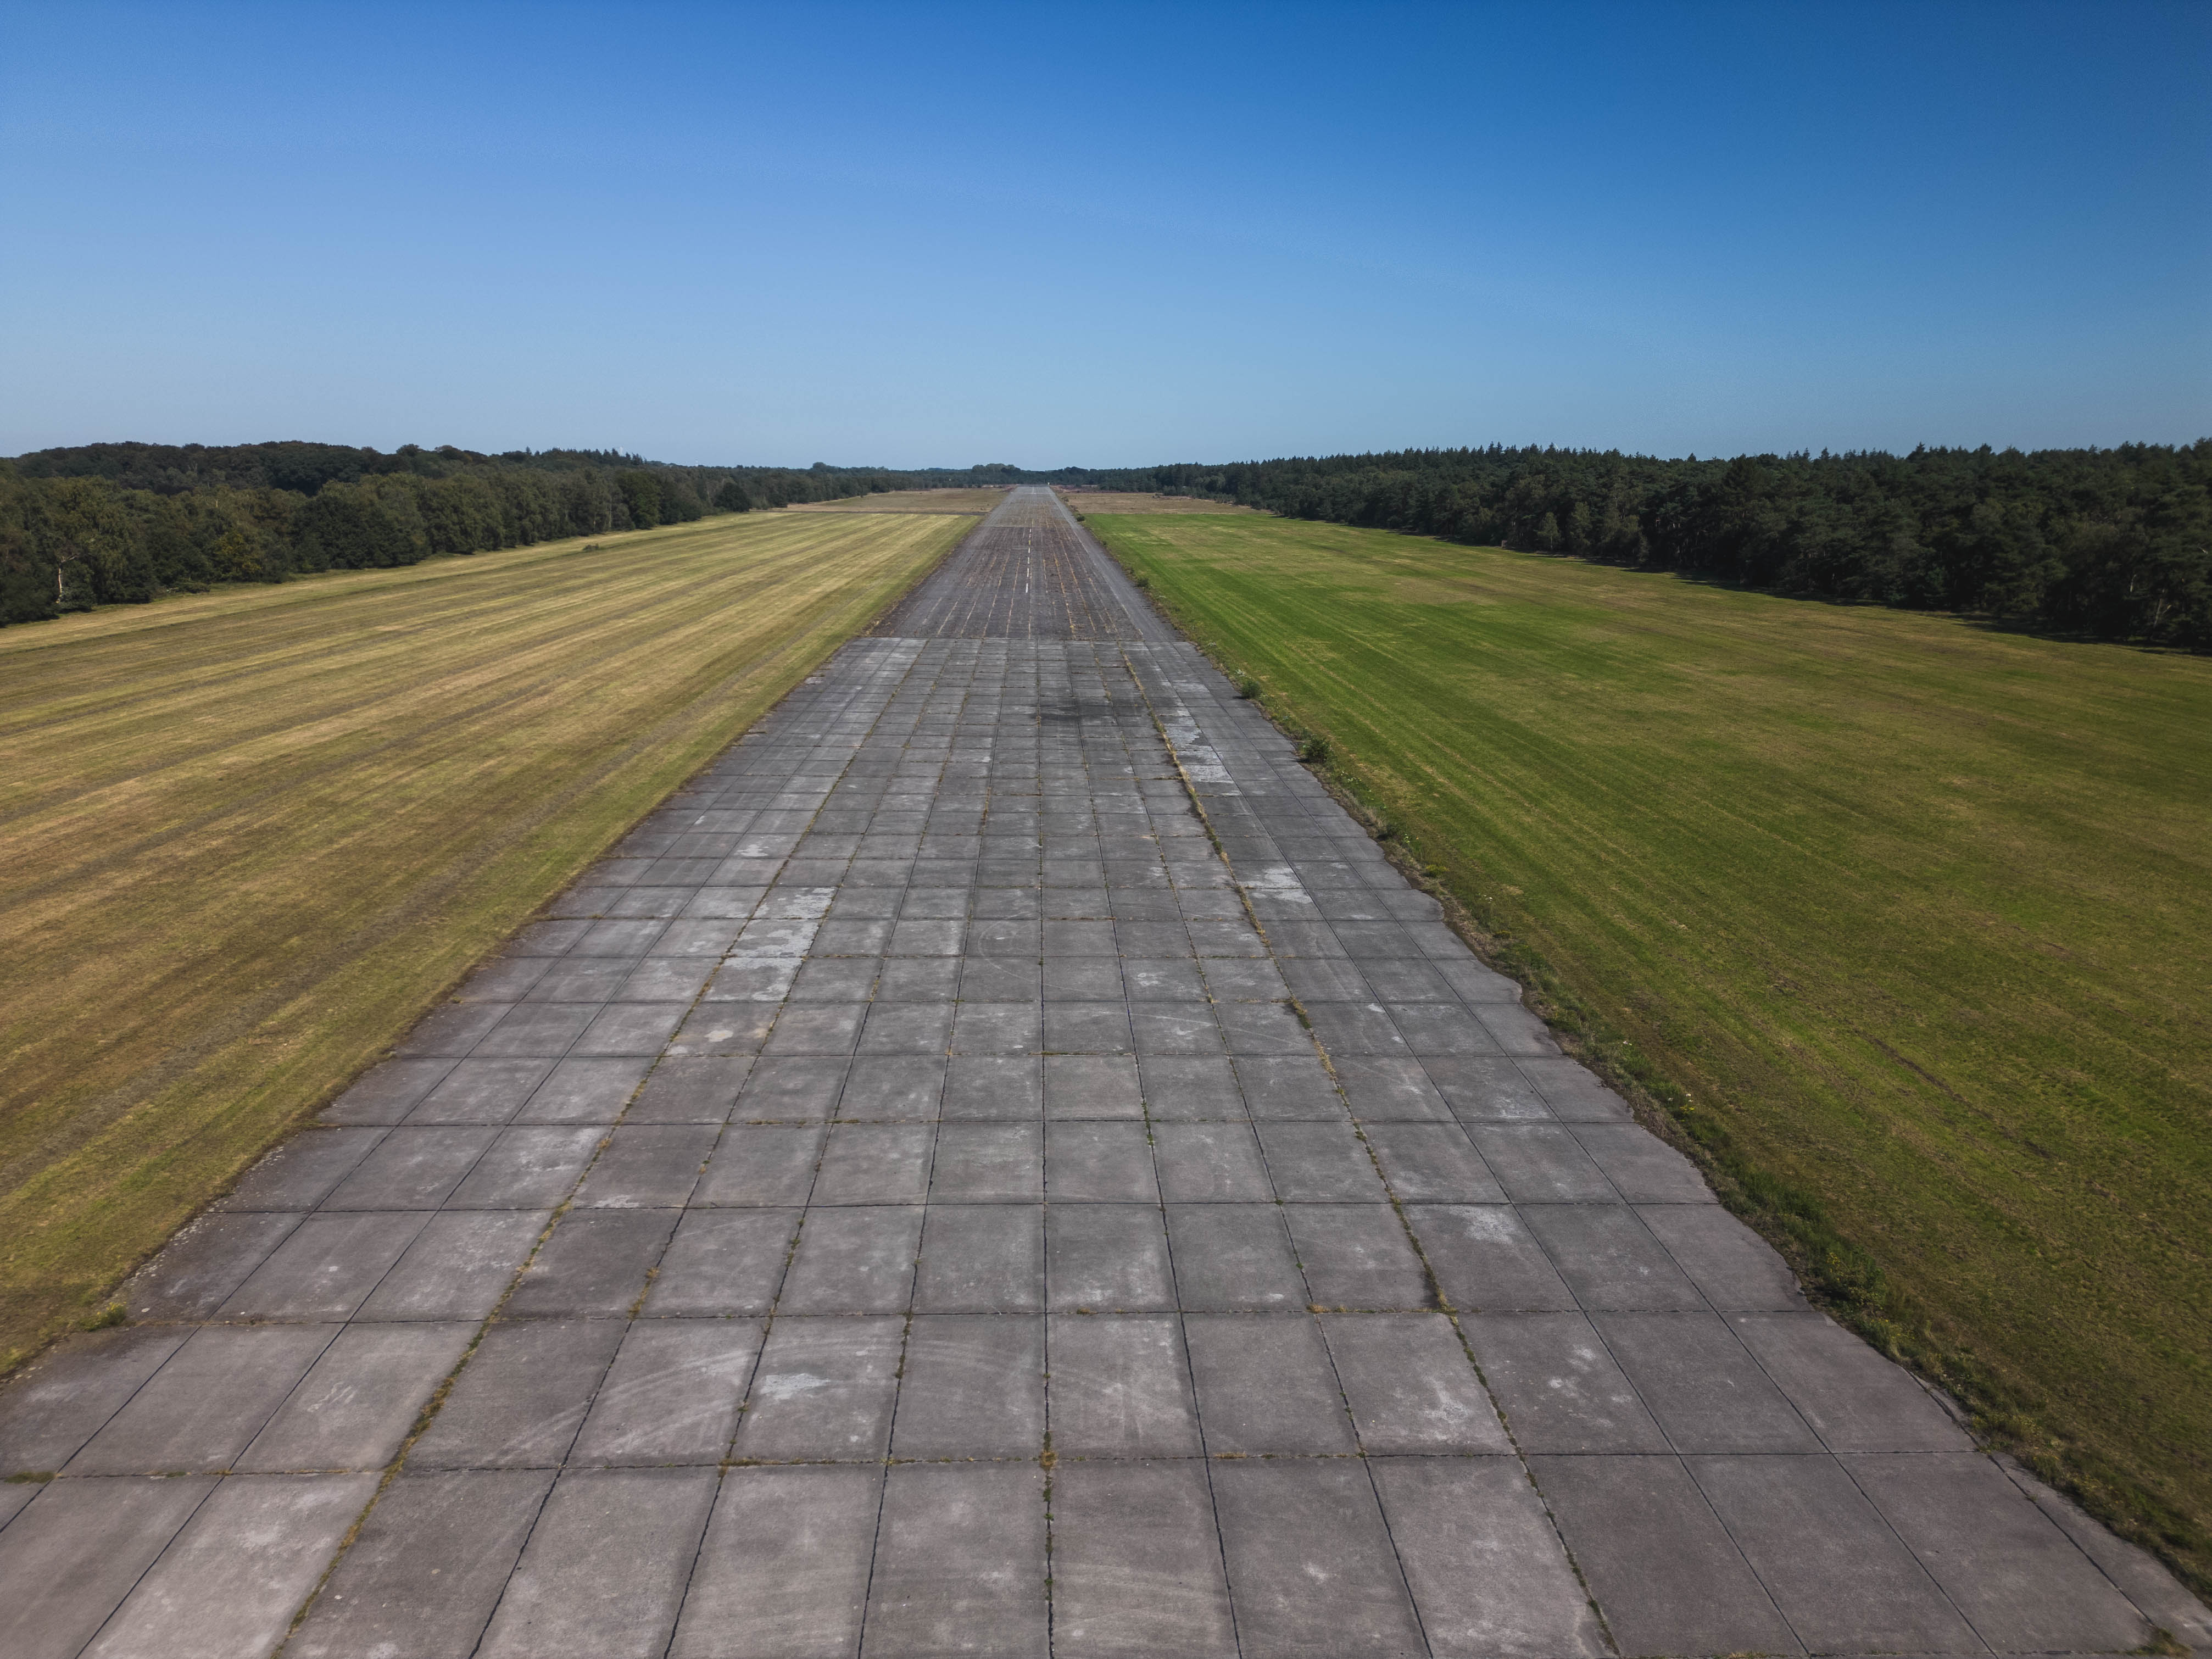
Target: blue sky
x=1106, y=234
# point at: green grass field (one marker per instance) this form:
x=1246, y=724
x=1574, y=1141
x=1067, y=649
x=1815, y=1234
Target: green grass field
x=1906, y=915
x=1088, y=502
x=246, y=838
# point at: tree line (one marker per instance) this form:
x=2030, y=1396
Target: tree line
x=121, y=523
x=2108, y=543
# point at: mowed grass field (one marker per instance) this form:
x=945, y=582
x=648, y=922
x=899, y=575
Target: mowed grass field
x=248, y=837
x=1920, y=914
x=909, y=500
x=1088, y=502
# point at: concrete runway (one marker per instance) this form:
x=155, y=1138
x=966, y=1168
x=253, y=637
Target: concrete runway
x=1000, y=1164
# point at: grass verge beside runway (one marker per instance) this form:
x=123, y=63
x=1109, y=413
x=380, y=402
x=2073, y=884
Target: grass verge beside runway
x=1904, y=921
x=246, y=838
x=1087, y=502
x=909, y=500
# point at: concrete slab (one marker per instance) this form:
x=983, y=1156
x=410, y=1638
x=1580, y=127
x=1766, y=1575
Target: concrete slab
x=1090, y=1162
x=961, y=1562
x=604, y=1572
x=702, y=1089
x=1174, y=1030
x=1487, y=1569
x=1609, y=1258
x=2006, y=1566
x=1707, y=1392
x=358, y=1400
x=1094, y=1086
x=1432, y=1163
x=584, y=1091
x=1357, y=1256
x=198, y=1270
x=723, y=1263
x=1486, y=1260
x=326, y=1266
x=68, y=1396
x=973, y=1387
x=980, y=1258
x=647, y=1166
x=522, y=1396
x=894, y=1085
x=531, y=1167
x=1642, y=1168
x=299, y=1174
x=1657, y=1560
x=68, y=1559
x=1136, y=1563
x=384, y=1094
x=1120, y=1387
x=1210, y=1163
x=1541, y=1163
x=1107, y=1258
x=594, y=1266
x=1266, y=1385
x=1411, y=1385
x=993, y=1088
x=988, y=1164
x=231, y=1581
x=1734, y=1269
x=411, y=1168
x=875, y=1163
x=824, y=1389
x=857, y=1260
x=207, y=1402
x=1320, y=1163
x=1837, y=1569
x=1483, y=1089
x=15, y=1497
x=1187, y=1088
x=1311, y=1567
x=1234, y=1258
x=1557, y=1385
x=766, y=1164
x=673, y=1394
x=1854, y=1399
x=2148, y=1583
x=459, y=1267
x=783, y=1571
x=430, y=1564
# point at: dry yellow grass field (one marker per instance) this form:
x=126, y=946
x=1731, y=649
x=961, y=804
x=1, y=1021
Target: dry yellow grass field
x=909, y=500
x=1113, y=500
x=246, y=838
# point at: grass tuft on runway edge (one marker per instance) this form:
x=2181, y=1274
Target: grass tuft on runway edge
x=248, y=838
x=1899, y=922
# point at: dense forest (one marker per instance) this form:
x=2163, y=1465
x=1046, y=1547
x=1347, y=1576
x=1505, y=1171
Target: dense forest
x=120, y=523
x=2113, y=544
x=2107, y=543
